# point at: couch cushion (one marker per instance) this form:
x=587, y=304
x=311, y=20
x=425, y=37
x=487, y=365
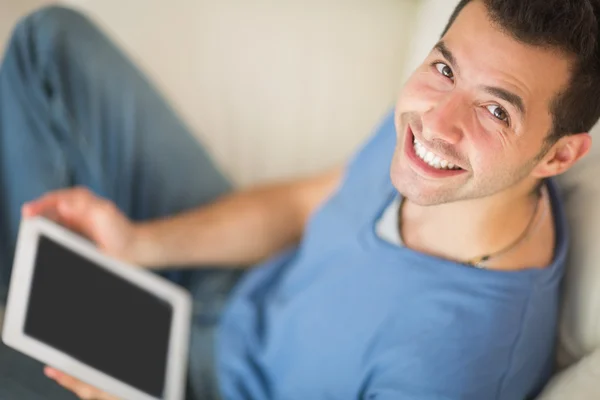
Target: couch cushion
x=578, y=382
x=579, y=330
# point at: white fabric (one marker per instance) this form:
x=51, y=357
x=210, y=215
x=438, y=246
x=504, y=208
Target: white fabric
x=578, y=382
x=387, y=225
x=579, y=325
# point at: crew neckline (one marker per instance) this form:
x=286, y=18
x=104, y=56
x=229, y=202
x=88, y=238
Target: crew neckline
x=392, y=245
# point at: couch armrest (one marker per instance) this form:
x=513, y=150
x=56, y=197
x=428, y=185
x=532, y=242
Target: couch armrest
x=580, y=381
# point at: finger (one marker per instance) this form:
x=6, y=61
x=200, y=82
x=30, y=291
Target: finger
x=51, y=200
x=73, y=207
x=69, y=383
x=50, y=372
x=41, y=205
x=82, y=212
x=82, y=390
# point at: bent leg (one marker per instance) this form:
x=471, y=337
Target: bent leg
x=75, y=111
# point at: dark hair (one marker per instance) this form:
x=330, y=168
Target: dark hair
x=569, y=26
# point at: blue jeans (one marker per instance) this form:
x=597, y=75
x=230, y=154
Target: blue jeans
x=75, y=111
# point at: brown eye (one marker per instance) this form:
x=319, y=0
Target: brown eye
x=445, y=70
x=498, y=112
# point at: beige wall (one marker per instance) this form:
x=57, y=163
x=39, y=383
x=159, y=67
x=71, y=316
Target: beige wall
x=275, y=88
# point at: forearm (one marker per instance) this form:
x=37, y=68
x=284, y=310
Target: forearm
x=239, y=229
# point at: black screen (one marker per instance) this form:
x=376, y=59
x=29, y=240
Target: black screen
x=98, y=318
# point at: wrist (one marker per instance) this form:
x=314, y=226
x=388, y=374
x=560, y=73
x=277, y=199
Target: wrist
x=143, y=247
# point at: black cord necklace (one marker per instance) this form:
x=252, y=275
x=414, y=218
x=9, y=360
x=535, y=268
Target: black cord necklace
x=479, y=262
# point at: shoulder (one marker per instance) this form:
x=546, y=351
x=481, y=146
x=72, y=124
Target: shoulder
x=380, y=145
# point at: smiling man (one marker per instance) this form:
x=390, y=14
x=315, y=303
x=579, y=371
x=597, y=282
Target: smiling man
x=428, y=269
x=489, y=114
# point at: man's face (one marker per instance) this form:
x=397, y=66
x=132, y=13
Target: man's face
x=481, y=102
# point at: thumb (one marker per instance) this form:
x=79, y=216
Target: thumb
x=75, y=217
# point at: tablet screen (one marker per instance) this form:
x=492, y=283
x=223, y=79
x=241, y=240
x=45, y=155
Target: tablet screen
x=98, y=318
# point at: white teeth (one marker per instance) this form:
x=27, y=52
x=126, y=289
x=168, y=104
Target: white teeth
x=432, y=159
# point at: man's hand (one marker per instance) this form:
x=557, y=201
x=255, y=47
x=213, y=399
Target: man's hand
x=93, y=217
x=100, y=221
x=82, y=390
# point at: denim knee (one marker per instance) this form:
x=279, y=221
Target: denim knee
x=53, y=29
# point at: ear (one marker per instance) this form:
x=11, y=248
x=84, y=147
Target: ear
x=563, y=155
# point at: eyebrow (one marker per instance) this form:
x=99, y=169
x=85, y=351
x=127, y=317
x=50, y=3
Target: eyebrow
x=505, y=95
x=508, y=96
x=446, y=53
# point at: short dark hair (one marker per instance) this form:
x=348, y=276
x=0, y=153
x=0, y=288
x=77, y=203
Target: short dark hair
x=569, y=26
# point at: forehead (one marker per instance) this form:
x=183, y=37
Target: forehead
x=490, y=56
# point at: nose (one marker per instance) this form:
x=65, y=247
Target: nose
x=445, y=119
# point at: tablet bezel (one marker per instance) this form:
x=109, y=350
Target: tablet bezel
x=14, y=336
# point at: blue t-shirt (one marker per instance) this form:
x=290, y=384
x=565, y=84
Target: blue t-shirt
x=347, y=315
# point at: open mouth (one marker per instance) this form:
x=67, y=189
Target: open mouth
x=432, y=159
x=428, y=162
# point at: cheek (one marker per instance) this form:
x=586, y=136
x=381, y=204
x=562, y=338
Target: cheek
x=485, y=148
x=491, y=156
x=489, y=143
x=418, y=93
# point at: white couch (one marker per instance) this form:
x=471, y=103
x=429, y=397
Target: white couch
x=280, y=88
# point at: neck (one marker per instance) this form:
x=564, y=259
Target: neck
x=464, y=230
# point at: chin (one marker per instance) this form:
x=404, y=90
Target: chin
x=410, y=188
x=415, y=189
x=422, y=198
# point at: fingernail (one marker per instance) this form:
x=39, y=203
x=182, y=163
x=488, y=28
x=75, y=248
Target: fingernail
x=50, y=373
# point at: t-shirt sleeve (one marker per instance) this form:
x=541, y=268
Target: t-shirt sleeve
x=379, y=147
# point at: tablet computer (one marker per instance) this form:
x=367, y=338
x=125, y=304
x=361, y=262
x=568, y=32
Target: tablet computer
x=120, y=328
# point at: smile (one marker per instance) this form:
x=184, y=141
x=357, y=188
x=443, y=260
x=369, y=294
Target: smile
x=431, y=158
x=425, y=162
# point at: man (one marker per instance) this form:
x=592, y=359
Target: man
x=429, y=268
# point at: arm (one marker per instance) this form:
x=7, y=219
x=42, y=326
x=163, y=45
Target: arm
x=238, y=229
x=241, y=228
